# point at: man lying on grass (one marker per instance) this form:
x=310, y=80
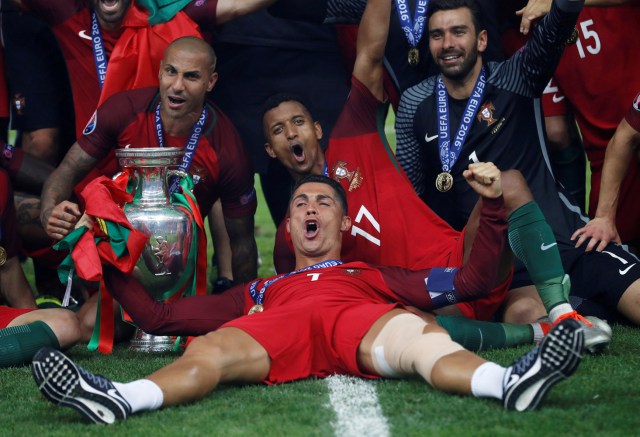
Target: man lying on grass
x=344, y=324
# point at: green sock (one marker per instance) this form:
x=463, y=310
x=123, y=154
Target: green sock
x=18, y=344
x=476, y=335
x=533, y=242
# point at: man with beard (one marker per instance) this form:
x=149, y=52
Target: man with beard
x=475, y=112
x=110, y=46
x=343, y=324
x=378, y=193
x=174, y=114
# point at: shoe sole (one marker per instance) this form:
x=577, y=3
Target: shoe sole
x=558, y=358
x=60, y=381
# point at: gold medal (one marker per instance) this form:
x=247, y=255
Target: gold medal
x=444, y=182
x=573, y=37
x=3, y=256
x=256, y=309
x=414, y=56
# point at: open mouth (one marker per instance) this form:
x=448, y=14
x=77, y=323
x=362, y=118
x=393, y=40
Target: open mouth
x=311, y=228
x=175, y=101
x=109, y=5
x=298, y=152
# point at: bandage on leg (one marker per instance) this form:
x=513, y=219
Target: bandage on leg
x=402, y=348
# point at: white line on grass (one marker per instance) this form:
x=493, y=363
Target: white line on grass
x=357, y=409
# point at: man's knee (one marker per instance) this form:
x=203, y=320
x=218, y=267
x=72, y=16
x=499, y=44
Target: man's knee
x=66, y=327
x=523, y=306
x=629, y=303
x=407, y=345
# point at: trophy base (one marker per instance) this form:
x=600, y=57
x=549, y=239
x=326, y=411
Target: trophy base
x=143, y=342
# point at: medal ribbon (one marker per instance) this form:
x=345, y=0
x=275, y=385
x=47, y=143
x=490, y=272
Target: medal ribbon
x=412, y=29
x=99, y=54
x=325, y=168
x=449, y=154
x=258, y=295
x=189, y=148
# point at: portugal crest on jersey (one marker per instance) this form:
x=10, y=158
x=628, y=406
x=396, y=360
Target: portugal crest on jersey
x=636, y=103
x=340, y=171
x=486, y=113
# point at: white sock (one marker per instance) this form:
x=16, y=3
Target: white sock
x=487, y=381
x=142, y=394
x=559, y=310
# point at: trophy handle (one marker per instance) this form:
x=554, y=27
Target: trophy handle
x=181, y=174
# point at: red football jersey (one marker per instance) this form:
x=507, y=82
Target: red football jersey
x=70, y=21
x=391, y=225
x=598, y=75
x=220, y=167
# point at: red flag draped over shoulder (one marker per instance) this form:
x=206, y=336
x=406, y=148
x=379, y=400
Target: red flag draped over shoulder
x=136, y=57
x=135, y=62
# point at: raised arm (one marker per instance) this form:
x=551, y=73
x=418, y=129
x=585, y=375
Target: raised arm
x=372, y=38
x=59, y=215
x=620, y=151
x=539, y=8
x=228, y=10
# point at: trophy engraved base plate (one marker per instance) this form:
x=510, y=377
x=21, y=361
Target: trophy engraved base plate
x=143, y=342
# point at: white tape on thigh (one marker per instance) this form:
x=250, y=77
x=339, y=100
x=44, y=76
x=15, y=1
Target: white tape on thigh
x=401, y=348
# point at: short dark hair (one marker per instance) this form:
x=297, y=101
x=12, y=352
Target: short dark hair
x=447, y=5
x=275, y=100
x=315, y=178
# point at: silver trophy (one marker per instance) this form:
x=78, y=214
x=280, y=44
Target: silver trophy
x=164, y=258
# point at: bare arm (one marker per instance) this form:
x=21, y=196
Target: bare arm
x=244, y=258
x=539, y=8
x=32, y=174
x=27, y=171
x=221, y=244
x=602, y=228
x=58, y=215
x=372, y=38
x=14, y=286
x=228, y=10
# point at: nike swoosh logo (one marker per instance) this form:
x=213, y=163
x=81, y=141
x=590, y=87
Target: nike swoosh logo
x=557, y=99
x=83, y=34
x=512, y=380
x=428, y=138
x=624, y=272
x=544, y=247
x=116, y=395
